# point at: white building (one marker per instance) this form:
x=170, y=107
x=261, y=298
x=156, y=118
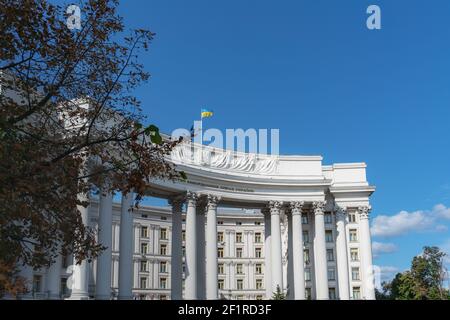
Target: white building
x=304, y=228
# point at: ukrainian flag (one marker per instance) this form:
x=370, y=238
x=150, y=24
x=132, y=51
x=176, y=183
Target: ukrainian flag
x=205, y=113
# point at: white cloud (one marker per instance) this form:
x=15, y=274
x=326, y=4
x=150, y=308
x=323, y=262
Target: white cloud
x=404, y=222
x=382, y=247
x=384, y=274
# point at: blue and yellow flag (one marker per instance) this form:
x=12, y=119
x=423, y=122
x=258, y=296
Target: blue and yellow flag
x=205, y=113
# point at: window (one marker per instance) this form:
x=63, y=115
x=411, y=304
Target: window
x=163, y=297
x=356, y=293
x=220, y=284
x=220, y=222
x=238, y=237
x=144, y=248
x=352, y=217
x=163, y=267
x=331, y=274
x=220, y=268
x=304, y=219
x=354, y=255
x=305, y=237
x=307, y=274
x=258, y=238
x=355, y=273
x=306, y=256
x=162, y=283
x=332, y=293
x=63, y=287
x=259, y=284
x=144, y=266
x=144, y=232
x=353, y=235
x=37, y=283
x=328, y=218
x=163, y=249
x=183, y=235
x=163, y=234
x=259, y=297
x=308, y=295
x=238, y=252
x=239, y=284
x=239, y=268
x=220, y=252
x=163, y=218
x=258, y=253
x=183, y=250
x=143, y=283
x=238, y=223
x=219, y=236
x=258, y=268
x=257, y=223
x=329, y=236
x=144, y=216
x=330, y=255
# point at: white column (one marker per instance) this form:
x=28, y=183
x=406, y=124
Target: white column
x=341, y=255
x=366, y=254
x=297, y=250
x=267, y=254
x=126, y=248
x=211, y=248
x=54, y=279
x=104, y=260
x=320, y=252
x=176, y=264
x=277, y=267
x=190, y=291
x=80, y=275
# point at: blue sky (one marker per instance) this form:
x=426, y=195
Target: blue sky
x=332, y=87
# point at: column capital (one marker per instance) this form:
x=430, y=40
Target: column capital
x=177, y=203
x=296, y=207
x=364, y=211
x=212, y=201
x=191, y=197
x=318, y=207
x=340, y=211
x=275, y=207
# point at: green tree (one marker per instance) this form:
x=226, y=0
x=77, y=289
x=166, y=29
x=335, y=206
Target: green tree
x=278, y=294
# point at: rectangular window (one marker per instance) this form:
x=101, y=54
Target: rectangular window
x=258, y=237
x=220, y=284
x=144, y=232
x=308, y=295
x=220, y=222
x=332, y=293
x=258, y=268
x=353, y=235
x=329, y=236
x=63, y=287
x=220, y=252
x=143, y=283
x=259, y=297
x=305, y=237
x=307, y=274
x=143, y=266
x=356, y=293
x=163, y=267
x=240, y=284
x=163, y=218
x=355, y=274
x=306, y=256
x=258, y=253
x=183, y=235
x=37, y=283
x=238, y=237
x=304, y=219
x=257, y=223
x=163, y=249
x=239, y=268
x=331, y=274
x=163, y=234
x=328, y=218
x=144, y=248
x=238, y=223
x=219, y=237
x=330, y=255
x=352, y=217
x=238, y=252
x=354, y=255
x=259, y=284
x=162, y=283
x=220, y=268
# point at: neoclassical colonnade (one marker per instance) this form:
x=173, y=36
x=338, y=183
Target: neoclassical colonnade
x=201, y=244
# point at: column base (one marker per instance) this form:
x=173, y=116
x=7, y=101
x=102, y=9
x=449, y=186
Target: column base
x=78, y=296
